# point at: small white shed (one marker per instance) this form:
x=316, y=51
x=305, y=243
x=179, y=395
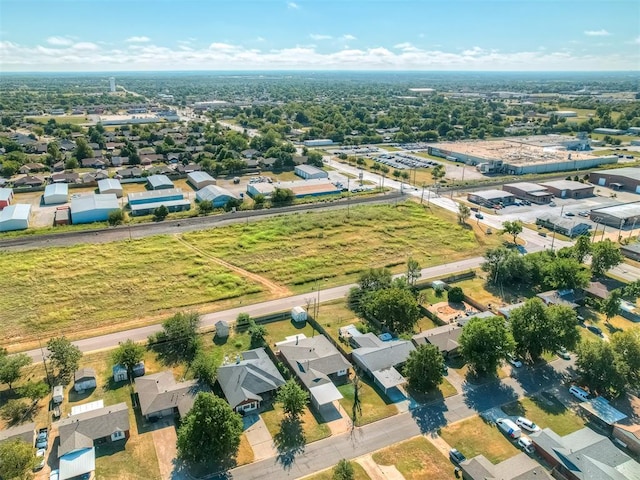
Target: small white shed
x=84, y=379
x=58, y=394
x=438, y=285
x=298, y=314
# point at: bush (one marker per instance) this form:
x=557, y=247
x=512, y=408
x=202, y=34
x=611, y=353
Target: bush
x=160, y=213
x=116, y=217
x=455, y=295
x=15, y=411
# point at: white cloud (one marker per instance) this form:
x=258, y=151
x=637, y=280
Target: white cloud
x=59, y=41
x=348, y=37
x=86, y=56
x=596, y=33
x=293, y=6
x=637, y=40
x=138, y=40
x=318, y=36
x=261, y=39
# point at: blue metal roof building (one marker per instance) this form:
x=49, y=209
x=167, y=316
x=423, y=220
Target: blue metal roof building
x=217, y=195
x=93, y=208
x=155, y=196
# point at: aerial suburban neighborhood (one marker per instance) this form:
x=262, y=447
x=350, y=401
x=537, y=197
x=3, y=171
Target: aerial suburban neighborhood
x=328, y=275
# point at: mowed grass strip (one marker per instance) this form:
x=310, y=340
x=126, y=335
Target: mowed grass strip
x=546, y=413
x=416, y=459
x=313, y=430
x=67, y=290
x=373, y=404
x=476, y=437
x=358, y=473
x=335, y=246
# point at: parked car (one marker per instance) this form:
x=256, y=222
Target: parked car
x=54, y=475
x=479, y=216
x=509, y=428
x=594, y=329
x=527, y=424
x=456, y=457
x=542, y=234
x=570, y=214
x=552, y=204
x=525, y=444
x=514, y=361
x=40, y=458
x=42, y=440
x=579, y=393
x=562, y=353
x=584, y=213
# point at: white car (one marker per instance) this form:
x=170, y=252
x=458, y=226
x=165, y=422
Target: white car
x=41, y=460
x=514, y=361
x=525, y=444
x=527, y=424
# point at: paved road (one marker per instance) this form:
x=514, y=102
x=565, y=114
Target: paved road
x=258, y=309
x=326, y=453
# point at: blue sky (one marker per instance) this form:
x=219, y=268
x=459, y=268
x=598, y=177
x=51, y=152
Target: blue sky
x=122, y=35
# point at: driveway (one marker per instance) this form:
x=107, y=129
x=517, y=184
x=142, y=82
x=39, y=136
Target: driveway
x=259, y=437
x=164, y=440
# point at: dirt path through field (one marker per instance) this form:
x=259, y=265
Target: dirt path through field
x=275, y=289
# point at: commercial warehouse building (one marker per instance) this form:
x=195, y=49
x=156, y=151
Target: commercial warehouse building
x=310, y=172
x=569, y=189
x=93, y=208
x=6, y=197
x=200, y=180
x=110, y=185
x=300, y=188
x=619, y=216
x=531, y=192
x=565, y=226
x=144, y=203
x=159, y=182
x=218, y=196
x=490, y=198
x=15, y=217
x=55, y=193
x=627, y=179
x=320, y=142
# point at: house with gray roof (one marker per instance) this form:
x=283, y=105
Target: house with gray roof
x=380, y=359
x=584, y=455
x=159, y=395
x=24, y=432
x=520, y=467
x=84, y=379
x=250, y=380
x=444, y=337
x=317, y=364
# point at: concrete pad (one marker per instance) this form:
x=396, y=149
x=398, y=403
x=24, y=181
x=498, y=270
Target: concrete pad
x=339, y=422
x=379, y=472
x=260, y=440
x=164, y=440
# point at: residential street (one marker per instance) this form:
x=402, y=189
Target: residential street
x=326, y=453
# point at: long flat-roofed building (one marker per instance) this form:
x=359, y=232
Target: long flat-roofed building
x=569, y=189
x=529, y=191
x=93, y=208
x=491, y=197
x=619, y=216
x=627, y=179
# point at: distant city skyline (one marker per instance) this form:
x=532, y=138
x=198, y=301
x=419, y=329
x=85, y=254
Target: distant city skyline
x=451, y=35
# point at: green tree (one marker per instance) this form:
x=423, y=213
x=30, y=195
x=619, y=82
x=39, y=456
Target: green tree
x=65, y=357
x=11, y=367
x=282, y=196
x=343, y=471
x=9, y=168
x=17, y=458
x=34, y=391
x=160, y=213
x=369, y=280
x=566, y=273
x=394, y=308
x=626, y=346
x=71, y=163
x=259, y=200
x=83, y=150
x=455, y=295
x=604, y=256
x=424, y=368
x=292, y=398
x=243, y=322
x=257, y=332
x=115, y=217
x=598, y=367
x=128, y=354
x=413, y=271
x=513, y=228
x=210, y=431
x=464, y=212
x=484, y=343
x=205, y=207
x=205, y=368
x=15, y=410
x=582, y=248
x=610, y=306
x=178, y=340
x=505, y=266
x=437, y=173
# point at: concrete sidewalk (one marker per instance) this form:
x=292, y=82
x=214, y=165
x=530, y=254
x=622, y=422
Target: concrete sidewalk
x=260, y=440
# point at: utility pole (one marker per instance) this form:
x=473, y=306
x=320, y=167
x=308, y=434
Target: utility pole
x=604, y=228
x=422, y=195
x=44, y=362
x=348, y=195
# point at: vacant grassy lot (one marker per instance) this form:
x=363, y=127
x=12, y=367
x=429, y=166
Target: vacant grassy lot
x=66, y=290
x=359, y=474
x=546, y=413
x=374, y=406
x=298, y=250
x=475, y=437
x=73, y=120
x=313, y=430
x=416, y=459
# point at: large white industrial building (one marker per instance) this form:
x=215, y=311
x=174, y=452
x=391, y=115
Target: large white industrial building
x=93, y=208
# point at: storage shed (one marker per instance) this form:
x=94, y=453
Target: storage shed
x=84, y=379
x=93, y=208
x=222, y=329
x=310, y=172
x=299, y=314
x=55, y=193
x=119, y=373
x=200, y=179
x=15, y=217
x=159, y=182
x=6, y=197
x=217, y=195
x=110, y=185
x=58, y=394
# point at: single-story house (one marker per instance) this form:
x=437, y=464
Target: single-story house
x=25, y=432
x=189, y=168
x=55, y=193
x=32, y=167
x=92, y=163
x=507, y=309
x=247, y=382
x=380, y=359
x=566, y=298
x=628, y=435
x=317, y=364
x=520, y=467
x=28, y=181
x=601, y=289
x=584, y=455
x=84, y=379
x=444, y=337
x=65, y=177
x=159, y=395
x=249, y=153
x=133, y=172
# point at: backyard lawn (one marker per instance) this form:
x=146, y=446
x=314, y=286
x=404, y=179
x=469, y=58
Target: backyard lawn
x=546, y=413
x=358, y=471
x=313, y=430
x=476, y=437
x=334, y=315
x=374, y=406
x=416, y=459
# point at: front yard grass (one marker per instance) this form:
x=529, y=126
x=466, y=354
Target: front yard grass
x=416, y=459
x=374, y=405
x=313, y=430
x=546, y=413
x=476, y=437
x=358, y=473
